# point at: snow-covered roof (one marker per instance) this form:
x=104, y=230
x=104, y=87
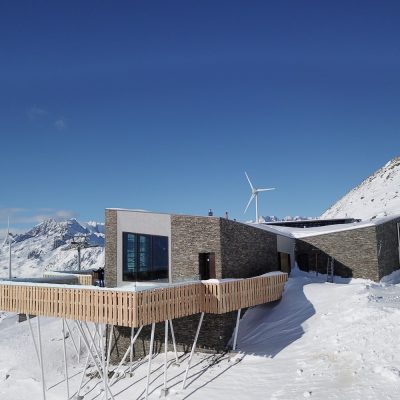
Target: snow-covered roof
x=322, y=230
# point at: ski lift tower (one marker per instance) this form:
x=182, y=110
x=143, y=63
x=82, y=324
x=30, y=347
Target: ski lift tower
x=80, y=242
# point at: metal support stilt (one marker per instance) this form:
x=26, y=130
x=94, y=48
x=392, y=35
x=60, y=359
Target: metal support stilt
x=193, y=348
x=114, y=378
x=103, y=360
x=73, y=340
x=65, y=358
x=131, y=348
x=78, y=396
x=153, y=325
x=164, y=391
x=79, y=346
x=236, y=329
x=173, y=342
x=92, y=338
x=33, y=338
x=109, y=345
x=89, y=348
x=41, y=358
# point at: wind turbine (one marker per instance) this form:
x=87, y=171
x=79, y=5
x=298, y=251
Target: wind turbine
x=254, y=194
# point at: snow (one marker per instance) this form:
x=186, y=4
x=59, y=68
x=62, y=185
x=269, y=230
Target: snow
x=377, y=196
x=321, y=230
x=47, y=247
x=321, y=341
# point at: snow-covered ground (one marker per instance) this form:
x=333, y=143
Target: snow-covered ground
x=321, y=341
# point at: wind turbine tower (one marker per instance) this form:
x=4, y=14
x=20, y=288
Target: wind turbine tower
x=254, y=195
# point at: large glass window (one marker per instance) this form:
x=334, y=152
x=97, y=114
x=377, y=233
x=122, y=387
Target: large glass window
x=145, y=257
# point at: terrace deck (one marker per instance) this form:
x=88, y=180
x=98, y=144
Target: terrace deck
x=135, y=307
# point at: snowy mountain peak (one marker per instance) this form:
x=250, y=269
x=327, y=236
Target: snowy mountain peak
x=376, y=196
x=47, y=246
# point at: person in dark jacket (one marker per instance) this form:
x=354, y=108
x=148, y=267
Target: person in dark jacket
x=100, y=276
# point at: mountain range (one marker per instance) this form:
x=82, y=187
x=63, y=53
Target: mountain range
x=48, y=246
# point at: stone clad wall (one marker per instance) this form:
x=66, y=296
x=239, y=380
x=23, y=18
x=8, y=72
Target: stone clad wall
x=247, y=251
x=241, y=251
x=110, y=270
x=387, y=247
x=354, y=251
x=190, y=236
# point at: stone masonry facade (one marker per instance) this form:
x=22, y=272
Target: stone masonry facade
x=367, y=252
x=246, y=251
x=387, y=247
x=110, y=270
x=240, y=250
x=190, y=236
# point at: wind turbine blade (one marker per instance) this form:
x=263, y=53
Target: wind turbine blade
x=251, y=185
x=265, y=190
x=251, y=198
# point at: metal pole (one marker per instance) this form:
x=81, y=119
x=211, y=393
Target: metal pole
x=109, y=345
x=41, y=358
x=257, y=209
x=79, y=257
x=193, y=348
x=173, y=341
x=236, y=329
x=72, y=337
x=9, y=259
x=103, y=360
x=65, y=358
x=79, y=345
x=153, y=325
x=78, y=397
x=92, y=338
x=113, y=379
x=165, y=390
x=33, y=338
x=131, y=347
x=89, y=348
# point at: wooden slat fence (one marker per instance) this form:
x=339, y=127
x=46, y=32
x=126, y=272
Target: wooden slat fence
x=134, y=309
x=231, y=295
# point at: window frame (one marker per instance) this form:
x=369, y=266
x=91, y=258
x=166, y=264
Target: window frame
x=148, y=271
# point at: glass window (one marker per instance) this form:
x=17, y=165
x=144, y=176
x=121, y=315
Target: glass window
x=145, y=257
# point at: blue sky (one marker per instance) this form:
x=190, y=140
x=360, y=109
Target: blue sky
x=162, y=105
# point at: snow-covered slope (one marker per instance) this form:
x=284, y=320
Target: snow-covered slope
x=47, y=246
x=322, y=341
x=377, y=196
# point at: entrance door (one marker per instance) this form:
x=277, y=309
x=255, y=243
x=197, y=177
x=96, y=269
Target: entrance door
x=284, y=262
x=207, y=266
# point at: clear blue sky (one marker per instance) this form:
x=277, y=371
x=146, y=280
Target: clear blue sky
x=162, y=105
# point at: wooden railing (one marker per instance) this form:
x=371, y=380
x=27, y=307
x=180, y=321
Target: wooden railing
x=231, y=295
x=137, y=308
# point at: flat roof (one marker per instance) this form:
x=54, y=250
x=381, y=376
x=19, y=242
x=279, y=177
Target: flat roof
x=298, y=233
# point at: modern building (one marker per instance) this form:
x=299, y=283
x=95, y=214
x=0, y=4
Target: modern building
x=146, y=248
x=156, y=247
x=359, y=249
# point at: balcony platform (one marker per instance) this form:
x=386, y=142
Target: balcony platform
x=135, y=306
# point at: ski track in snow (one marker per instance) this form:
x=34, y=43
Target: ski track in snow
x=321, y=341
